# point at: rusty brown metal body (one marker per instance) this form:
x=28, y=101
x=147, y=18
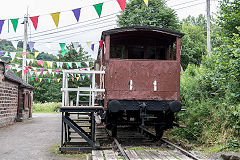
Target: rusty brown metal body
x=142, y=72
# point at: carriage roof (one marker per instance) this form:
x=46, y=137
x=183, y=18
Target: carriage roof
x=141, y=28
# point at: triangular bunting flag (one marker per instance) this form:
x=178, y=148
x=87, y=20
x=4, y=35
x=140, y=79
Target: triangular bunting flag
x=77, y=13
x=146, y=2
x=25, y=71
x=24, y=54
x=28, y=61
x=75, y=45
x=31, y=45
x=8, y=66
x=36, y=54
x=14, y=43
x=42, y=69
x=64, y=52
x=32, y=78
x=60, y=64
x=31, y=72
x=92, y=47
x=50, y=71
x=19, y=69
x=57, y=71
x=58, y=79
x=100, y=43
x=34, y=21
x=98, y=8
x=49, y=80
x=122, y=4
x=14, y=23
x=67, y=65
x=12, y=54
x=48, y=63
x=44, y=80
x=1, y=25
x=40, y=79
x=62, y=45
x=44, y=72
x=55, y=17
x=77, y=78
x=36, y=78
x=1, y=52
x=70, y=64
x=89, y=44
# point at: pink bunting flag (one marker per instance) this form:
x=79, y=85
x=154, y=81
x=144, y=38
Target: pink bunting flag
x=72, y=79
x=100, y=43
x=24, y=53
x=122, y=4
x=34, y=21
x=42, y=69
x=40, y=63
x=36, y=78
x=57, y=71
x=25, y=71
x=8, y=66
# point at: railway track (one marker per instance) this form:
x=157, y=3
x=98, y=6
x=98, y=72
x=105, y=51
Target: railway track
x=131, y=145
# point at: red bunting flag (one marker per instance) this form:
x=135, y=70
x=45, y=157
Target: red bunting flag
x=36, y=78
x=39, y=62
x=100, y=43
x=34, y=21
x=42, y=69
x=122, y=4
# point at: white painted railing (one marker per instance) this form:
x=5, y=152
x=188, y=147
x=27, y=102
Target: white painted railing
x=91, y=89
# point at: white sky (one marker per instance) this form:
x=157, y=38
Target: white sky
x=88, y=28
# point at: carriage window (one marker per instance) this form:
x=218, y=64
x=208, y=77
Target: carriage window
x=117, y=51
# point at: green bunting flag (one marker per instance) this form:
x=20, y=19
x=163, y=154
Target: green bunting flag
x=49, y=80
x=62, y=45
x=67, y=65
x=14, y=23
x=63, y=52
x=98, y=8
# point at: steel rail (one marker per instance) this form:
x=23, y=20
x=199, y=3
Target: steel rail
x=119, y=146
x=170, y=143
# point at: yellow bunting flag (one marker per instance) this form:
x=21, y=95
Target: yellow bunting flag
x=58, y=79
x=78, y=75
x=55, y=17
x=40, y=79
x=77, y=78
x=36, y=54
x=146, y=2
x=48, y=63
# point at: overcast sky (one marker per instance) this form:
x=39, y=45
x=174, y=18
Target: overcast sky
x=89, y=27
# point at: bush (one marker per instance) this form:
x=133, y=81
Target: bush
x=46, y=107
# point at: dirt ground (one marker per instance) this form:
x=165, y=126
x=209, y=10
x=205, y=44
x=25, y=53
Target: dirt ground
x=31, y=139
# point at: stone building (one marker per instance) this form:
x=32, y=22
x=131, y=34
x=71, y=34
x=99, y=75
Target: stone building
x=16, y=97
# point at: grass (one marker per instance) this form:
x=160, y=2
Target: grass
x=50, y=107
x=75, y=155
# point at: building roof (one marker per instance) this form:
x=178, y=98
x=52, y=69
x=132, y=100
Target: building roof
x=142, y=28
x=13, y=77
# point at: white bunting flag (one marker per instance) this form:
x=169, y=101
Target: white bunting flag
x=28, y=61
x=14, y=43
x=32, y=60
x=45, y=72
x=13, y=54
x=70, y=64
x=38, y=73
x=50, y=71
x=60, y=64
x=75, y=45
x=19, y=69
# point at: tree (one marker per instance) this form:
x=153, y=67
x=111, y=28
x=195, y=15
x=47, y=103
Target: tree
x=229, y=16
x=156, y=14
x=194, y=40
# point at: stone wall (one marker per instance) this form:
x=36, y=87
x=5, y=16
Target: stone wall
x=8, y=100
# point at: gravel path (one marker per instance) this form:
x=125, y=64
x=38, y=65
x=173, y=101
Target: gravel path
x=32, y=139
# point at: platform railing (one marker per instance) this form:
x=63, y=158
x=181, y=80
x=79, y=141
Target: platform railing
x=91, y=89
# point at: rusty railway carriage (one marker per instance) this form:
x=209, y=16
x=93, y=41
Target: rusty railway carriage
x=142, y=77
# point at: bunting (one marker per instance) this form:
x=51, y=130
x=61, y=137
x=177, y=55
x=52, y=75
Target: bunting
x=100, y=43
x=13, y=54
x=76, y=13
x=98, y=8
x=55, y=17
x=34, y=21
x=14, y=23
x=1, y=25
x=31, y=45
x=36, y=54
x=146, y=2
x=122, y=4
x=92, y=47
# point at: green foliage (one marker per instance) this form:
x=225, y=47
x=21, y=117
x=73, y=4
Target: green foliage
x=156, y=14
x=46, y=107
x=211, y=95
x=193, y=42
x=229, y=16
